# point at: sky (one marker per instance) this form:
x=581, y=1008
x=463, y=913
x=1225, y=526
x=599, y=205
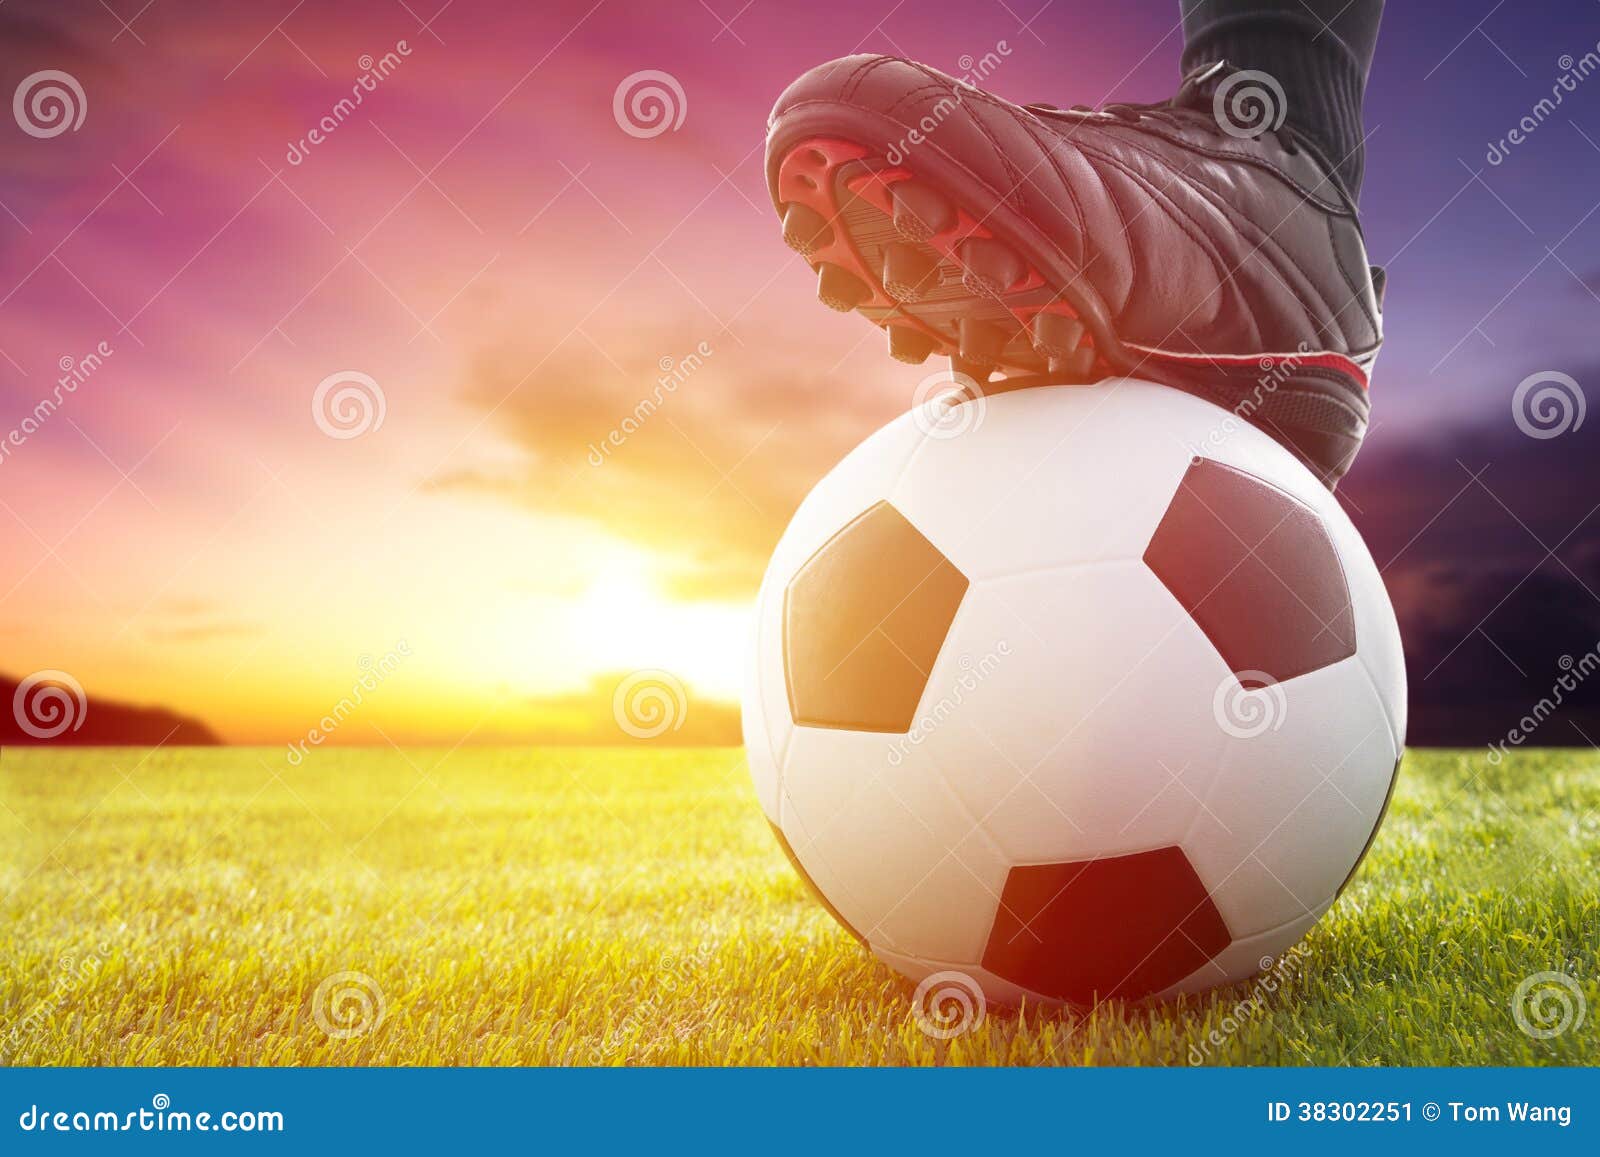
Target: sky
x=482, y=251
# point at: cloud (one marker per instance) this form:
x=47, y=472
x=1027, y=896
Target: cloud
x=206, y=632
x=198, y=620
x=1490, y=545
x=682, y=447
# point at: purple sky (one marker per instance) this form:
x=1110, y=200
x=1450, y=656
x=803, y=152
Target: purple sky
x=482, y=239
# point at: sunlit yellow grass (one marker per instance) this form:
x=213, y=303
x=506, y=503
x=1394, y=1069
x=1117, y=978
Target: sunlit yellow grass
x=592, y=906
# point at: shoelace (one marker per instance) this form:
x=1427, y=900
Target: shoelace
x=1190, y=105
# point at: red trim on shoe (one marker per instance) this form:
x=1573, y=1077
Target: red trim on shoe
x=808, y=174
x=1265, y=362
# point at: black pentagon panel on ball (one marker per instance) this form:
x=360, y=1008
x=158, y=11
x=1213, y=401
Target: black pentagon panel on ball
x=1116, y=927
x=863, y=622
x=1255, y=567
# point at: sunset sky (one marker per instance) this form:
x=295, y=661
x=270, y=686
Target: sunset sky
x=515, y=272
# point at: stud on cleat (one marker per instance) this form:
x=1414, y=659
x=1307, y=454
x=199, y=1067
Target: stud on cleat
x=961, y=367
x=990, y=267
x=908, y=345
x=838, y=288
x=804, y=229
x=937, y=282
x=921, y=211
x=1075, y=365
x=907, y=271
x=980, y=341
x=1055, y=334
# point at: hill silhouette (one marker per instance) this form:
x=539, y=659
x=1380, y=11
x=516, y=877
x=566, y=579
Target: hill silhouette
x=51, y=713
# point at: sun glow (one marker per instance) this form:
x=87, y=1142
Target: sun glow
x=622, y=622
x=619, y=620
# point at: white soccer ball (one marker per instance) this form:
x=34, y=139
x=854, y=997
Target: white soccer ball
x=1082, y=693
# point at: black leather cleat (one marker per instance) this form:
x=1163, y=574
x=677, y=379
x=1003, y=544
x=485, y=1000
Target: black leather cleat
x=1153, y=241
x=980, y=342
x=921, y=211
x=909, y=345
x=907, y=271
x=804, y=229
x=989, y=268
x=1055, y=334
x=838, y=288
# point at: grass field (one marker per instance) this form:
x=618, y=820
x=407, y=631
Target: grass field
x=630, y=907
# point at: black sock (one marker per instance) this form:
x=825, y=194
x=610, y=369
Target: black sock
x=1319, y=51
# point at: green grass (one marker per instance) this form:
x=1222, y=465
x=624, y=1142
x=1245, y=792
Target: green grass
x=630, y=907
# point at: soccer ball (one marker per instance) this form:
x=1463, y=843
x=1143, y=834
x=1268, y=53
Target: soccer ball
x=1082, y=693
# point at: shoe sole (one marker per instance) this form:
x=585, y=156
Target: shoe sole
x=910, y=253
x=928, y=270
